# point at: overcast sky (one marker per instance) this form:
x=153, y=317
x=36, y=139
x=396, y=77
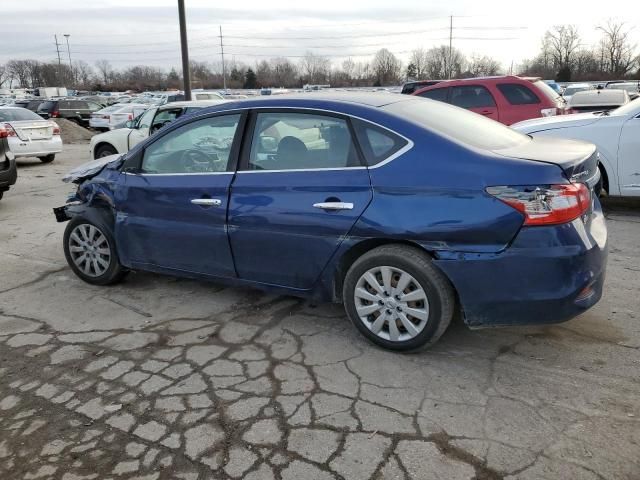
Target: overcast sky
x=129, y=32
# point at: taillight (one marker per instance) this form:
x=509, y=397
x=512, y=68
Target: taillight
x=55, y=114
x=6, y=130
x=56, y=128
x=130, y=116
x=549, y=112
x=546, y=205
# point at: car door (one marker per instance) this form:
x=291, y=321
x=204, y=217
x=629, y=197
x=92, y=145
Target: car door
x=476, y=98
x=142, y=127
x=299, y=191
x=629, y=157
x=172, y=214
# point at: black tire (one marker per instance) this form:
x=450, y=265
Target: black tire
x=114, y=273
x=104, y=151
x=48, y=158
x=1, y=195
x=438, y=290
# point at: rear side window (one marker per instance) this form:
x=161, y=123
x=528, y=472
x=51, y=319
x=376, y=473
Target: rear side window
x=377, y=143
x=439, y=94
x=471, y=96
x=517, y=94
x=64, y=105
x=46, y=106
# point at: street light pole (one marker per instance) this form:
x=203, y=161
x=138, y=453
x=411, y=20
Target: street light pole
x=73, y=79
x=185, y=51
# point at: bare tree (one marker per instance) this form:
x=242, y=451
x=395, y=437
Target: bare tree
x=562, y=41
x=483, y=66
x=617, y=48
x=105, y=70
x=4, y=74
x=284, y=72
x=20, y=70
x=83, y=72
x=386, y=67
x=419, y=59
x=314, y=68
x=442, y=62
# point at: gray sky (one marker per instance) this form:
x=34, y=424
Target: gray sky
x=128, y=32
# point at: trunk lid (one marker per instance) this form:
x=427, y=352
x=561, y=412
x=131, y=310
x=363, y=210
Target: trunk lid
x=29, y=130
x=578, y=160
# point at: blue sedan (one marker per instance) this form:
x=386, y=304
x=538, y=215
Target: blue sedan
x=402, y=208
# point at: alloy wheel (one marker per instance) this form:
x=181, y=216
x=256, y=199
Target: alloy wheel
x=391, y=303
x=89, y=250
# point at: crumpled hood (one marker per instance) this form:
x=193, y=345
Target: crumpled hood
x=90, y=169
x=559, y=121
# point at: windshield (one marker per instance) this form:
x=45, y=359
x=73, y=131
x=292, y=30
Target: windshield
x=17, y=114
x=633, y=107
x=572, y=90
x=458, y=124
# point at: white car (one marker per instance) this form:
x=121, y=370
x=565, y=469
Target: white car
x=572, y=88
x=106, y=118
x=30, y=135
x=122, y=140
x=616, y=134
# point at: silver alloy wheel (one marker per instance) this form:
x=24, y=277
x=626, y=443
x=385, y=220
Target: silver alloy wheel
x=89, y=250
x=391, y=303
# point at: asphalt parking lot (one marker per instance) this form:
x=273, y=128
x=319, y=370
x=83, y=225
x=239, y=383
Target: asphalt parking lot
x=162, y=378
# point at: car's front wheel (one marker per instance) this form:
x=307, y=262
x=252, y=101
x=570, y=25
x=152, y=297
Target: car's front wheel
x=47, y=158
x=397, y=299
x=90, y=251
x=105, y=151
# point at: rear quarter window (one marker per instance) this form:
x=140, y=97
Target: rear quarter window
x=377, y=143
x=517, y=94
x=439, y=94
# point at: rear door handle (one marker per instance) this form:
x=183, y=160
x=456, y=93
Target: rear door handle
x=334, y=205
x=207, y=202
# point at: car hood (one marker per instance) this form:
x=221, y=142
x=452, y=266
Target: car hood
x=90, y=169
x=559, y=121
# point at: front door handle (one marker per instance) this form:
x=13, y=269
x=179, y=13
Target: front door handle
x=207, y=202
x=334, y=206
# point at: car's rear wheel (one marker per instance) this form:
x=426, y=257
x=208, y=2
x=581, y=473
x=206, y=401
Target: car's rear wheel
x=397, y=299
x=90, y=251
x=105, y=151
x=48, y=158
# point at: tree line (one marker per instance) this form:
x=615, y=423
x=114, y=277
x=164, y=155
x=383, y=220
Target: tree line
x=564, y=56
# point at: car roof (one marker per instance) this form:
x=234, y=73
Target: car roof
x=370, y=99
x=192, y=103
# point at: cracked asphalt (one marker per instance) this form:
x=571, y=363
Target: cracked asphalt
x=164, y=378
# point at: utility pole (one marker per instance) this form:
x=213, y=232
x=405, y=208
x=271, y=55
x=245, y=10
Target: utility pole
x=224, y=74
x=59, y=60
x=450, y=46
x=185, y=51
x=73, y=77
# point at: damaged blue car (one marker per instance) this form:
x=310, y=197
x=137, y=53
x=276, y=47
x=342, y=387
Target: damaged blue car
x=404, y=209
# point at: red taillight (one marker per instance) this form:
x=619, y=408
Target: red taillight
x=130, y=116
x=55, y=114
x=546, y=205
x=56, y=128
x=6, y=130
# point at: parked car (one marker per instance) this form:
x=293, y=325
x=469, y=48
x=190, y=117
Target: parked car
x=370, y=199
x=8, y=170
x=597, y=100
x=78, y=111
x=616, y=135
x=507, y=99
x=34, y=104
x=108, y=117
x=574, y=88
x=554, y=86
x=409, y=87
x=120, y=140
x=205, y=95
x=632, y=88
x=28, y=135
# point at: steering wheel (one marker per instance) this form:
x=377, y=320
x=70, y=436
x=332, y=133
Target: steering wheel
x=196, y=160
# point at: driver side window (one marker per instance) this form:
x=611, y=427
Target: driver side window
x=203, y=146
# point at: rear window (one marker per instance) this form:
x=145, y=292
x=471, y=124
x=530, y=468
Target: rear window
x=460, y=125
x=17, y=114
x=439, y=94
x=517, y=94
x=546, y=90
x=46, y=106
x=471, y=96
x=377, y=143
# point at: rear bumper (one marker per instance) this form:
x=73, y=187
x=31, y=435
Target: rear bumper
x=35, y=148
x=8, y=174
x=548, y=275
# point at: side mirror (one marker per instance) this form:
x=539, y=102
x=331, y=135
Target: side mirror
x=268, y=144
x=130, y=124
